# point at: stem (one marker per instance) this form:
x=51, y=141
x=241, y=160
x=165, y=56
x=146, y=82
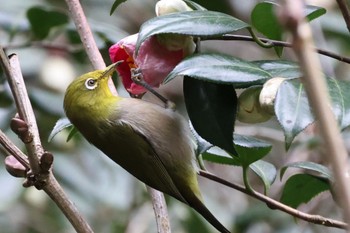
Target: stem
x=316, y=89
x=12, y=149
x=56, y=193
x=85, y=34
x=264, y=44
x=273, y=204
x=277, y=43
x=34, y=147
x=87, y=38
x=344, y=8
x=160, y=210
x=24, y=108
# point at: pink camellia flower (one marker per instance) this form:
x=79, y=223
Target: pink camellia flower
x=155, y=59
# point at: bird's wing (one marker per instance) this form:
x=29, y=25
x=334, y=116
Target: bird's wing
x=160, y=177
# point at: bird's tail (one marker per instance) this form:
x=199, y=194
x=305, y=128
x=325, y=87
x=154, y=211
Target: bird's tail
x=197, y=204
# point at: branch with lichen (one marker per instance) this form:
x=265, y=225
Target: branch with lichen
x=37, y=163
x=316, y=90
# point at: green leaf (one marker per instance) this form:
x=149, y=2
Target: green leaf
x=313, y=12
x=212, y=110
x=220, y=68
x=301, y=188
x=218, y=155
x=264, y=19
x=280, y=68
x=193, y=23
x=60, y=125
x=42, y=20
x=115, y=5
x=293, y=111
x=214, y=158
x=72, y=133
x=195, y=6
x=309, y=166
x=340, y=96
x=250, y=149
x=267, y=172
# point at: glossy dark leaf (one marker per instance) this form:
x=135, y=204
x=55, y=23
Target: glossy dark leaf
x=194, y=5
x=301, y=188
x=280, y=68
x=266, y=171
x=220, y=68
x=214, y=158
x=42, y=20
x=313, y=12
x=264, y=19
x=194, y=23
x=250, y=149
x=309, y=166
x=115, y=5
x=60, y=125
x=293, y=111
x=212, y=110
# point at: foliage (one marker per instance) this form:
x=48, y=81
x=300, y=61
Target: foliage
x=213, y=79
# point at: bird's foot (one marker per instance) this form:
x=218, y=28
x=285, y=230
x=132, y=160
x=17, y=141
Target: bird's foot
x=136, y=77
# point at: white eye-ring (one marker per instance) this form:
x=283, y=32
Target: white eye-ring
x=91, y=83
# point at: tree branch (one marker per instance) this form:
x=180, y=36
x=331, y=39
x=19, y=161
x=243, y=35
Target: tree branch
x=273, y=204
x=344, y=8
x=277, y=43
x=160, y=210
x=316, y=90
x=34, y=147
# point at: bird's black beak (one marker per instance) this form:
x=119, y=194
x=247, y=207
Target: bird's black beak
x=110, y=69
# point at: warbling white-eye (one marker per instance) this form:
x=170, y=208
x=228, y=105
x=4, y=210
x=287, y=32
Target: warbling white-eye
x=151, y=142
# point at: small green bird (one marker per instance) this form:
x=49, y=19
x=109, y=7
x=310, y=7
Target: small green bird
x=151, y=142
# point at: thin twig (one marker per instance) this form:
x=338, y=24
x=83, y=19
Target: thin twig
x=12, y=149
x=160, y=210
x=25, y=112
x=273, y=204
x=34, y=147
x=344, y=8
x=316, y=89
x=87, y=38
x=85, y=34
x=277, y=43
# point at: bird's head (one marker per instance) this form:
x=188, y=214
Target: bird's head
x=89, y=93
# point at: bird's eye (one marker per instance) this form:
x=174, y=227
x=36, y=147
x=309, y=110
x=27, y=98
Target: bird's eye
x=90, y=84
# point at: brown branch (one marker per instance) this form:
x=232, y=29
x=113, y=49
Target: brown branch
x=344, y=8
x=85, y=34
x=34, y=147
x=273, y=204
x=87, y=38
x=277, y=43
x=12, y=149
x=316, y=90
x=160, y=210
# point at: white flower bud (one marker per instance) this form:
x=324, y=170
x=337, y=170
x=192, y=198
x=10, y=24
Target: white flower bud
x=164, y=7
x=249, y=109
x=268, y=94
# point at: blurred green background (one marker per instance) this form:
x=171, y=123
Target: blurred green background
x=111, y=199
